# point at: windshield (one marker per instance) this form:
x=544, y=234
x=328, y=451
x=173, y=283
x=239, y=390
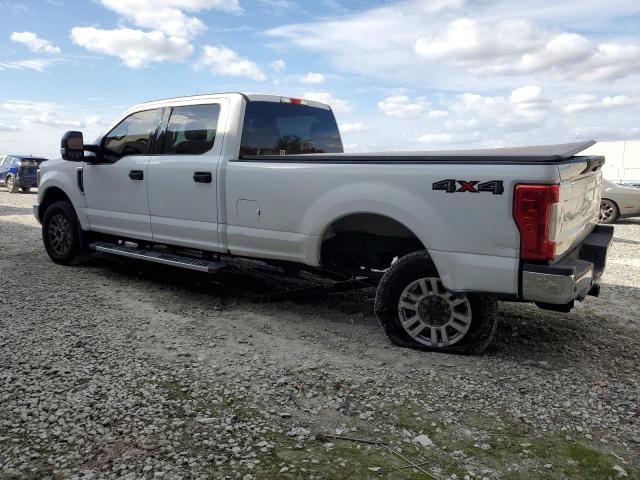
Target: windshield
x=272, y=128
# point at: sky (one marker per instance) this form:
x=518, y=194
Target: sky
x=399, y=74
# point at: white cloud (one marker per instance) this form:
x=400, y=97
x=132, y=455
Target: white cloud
x=35, y=127
x=48, y=114
x=336, y=104
x=467, y=40
x=353, y=127
x=524, y=107
x=436, y=6
x=135, y=48
x=526, y=94
x=403, y=106
x=515, y=47
x=38, y=65
x=493, y=42
x=224, y=61
x=278, y=66
x=585, y=102
x=168, y=16
x=313, y=78
x=34, y=43
x=612, y=61
x=278, y=4
x=437, y=138
x=437, y=114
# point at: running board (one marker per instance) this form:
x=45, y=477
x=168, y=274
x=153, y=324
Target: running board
x=180, y=261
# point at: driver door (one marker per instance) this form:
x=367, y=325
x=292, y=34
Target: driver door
x=115, y=188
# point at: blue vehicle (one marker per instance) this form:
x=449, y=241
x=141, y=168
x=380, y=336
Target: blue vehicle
x=19, y=172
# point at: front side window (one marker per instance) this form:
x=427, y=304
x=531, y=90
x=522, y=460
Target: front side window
x=272, y=128
x=132, y=135
x=191, y=130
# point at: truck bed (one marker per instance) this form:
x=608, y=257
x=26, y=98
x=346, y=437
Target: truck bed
x=543, y=154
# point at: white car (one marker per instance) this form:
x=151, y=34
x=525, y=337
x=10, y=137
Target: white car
x=187, y=180
x=619, y=201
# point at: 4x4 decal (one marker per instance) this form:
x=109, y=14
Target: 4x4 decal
x=473, y=186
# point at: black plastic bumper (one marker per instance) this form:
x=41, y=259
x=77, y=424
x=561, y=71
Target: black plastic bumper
x=26, y=182
x=574, y=277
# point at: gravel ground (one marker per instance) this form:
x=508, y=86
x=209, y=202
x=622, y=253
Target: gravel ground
x=127, y=370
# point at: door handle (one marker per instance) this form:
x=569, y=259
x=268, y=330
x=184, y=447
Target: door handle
x=136, y=174
x=202, y=177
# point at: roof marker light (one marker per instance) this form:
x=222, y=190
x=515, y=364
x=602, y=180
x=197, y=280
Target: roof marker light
x=294, y=101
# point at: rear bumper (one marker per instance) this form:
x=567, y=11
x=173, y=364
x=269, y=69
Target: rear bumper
x=572, y=278
x=26, y=182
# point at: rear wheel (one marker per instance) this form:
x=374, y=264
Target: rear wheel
x=417, y=311
x=10, y=183
x=609, y=211
x=63, y=239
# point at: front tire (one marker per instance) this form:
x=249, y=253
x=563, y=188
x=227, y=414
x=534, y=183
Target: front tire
x=10, y=183
x=63, y=238
x=416, y=311
x=609, y=211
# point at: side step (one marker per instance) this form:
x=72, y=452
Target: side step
x=155, y=256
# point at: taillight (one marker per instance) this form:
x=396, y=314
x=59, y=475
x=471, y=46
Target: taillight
x=534, y=210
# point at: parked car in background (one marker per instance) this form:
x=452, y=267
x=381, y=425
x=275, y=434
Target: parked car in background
x=18, y=172
x=618, y=201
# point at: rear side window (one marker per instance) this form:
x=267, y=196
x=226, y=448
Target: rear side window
x=132, y=135
x=191, y=130
x=272, y=128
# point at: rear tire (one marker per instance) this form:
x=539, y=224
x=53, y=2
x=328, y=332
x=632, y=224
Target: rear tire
x=416, y=311
x=10, y=183
x=609, y=211
x=64, y=241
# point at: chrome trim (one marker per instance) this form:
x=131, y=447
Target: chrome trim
x=556, y=289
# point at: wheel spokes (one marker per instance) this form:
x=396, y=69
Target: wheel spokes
x=432, y=315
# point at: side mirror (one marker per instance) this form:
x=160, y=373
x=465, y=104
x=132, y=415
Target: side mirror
x=72, y=146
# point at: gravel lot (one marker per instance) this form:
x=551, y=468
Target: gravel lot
x=125, y=370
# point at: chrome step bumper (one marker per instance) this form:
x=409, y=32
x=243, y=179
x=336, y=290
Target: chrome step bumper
x=572, y=278
x=181, y=261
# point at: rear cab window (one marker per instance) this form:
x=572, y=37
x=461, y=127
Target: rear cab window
x=272, y=128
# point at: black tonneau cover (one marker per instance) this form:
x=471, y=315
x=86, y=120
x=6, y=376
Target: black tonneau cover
x=534, y=154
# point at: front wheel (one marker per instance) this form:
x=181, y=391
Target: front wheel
x=417, y=311
x=63, y=239
x=11, y=185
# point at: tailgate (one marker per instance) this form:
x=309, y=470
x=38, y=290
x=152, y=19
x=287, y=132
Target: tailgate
x=580, y=189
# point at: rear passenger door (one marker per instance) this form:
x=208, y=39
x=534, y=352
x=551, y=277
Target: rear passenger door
x=183, y=189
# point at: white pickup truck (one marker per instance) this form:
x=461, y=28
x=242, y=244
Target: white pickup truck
x=190, y=181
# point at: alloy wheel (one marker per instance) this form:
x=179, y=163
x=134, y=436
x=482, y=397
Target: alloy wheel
x=432, y=315
x=60, y=234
